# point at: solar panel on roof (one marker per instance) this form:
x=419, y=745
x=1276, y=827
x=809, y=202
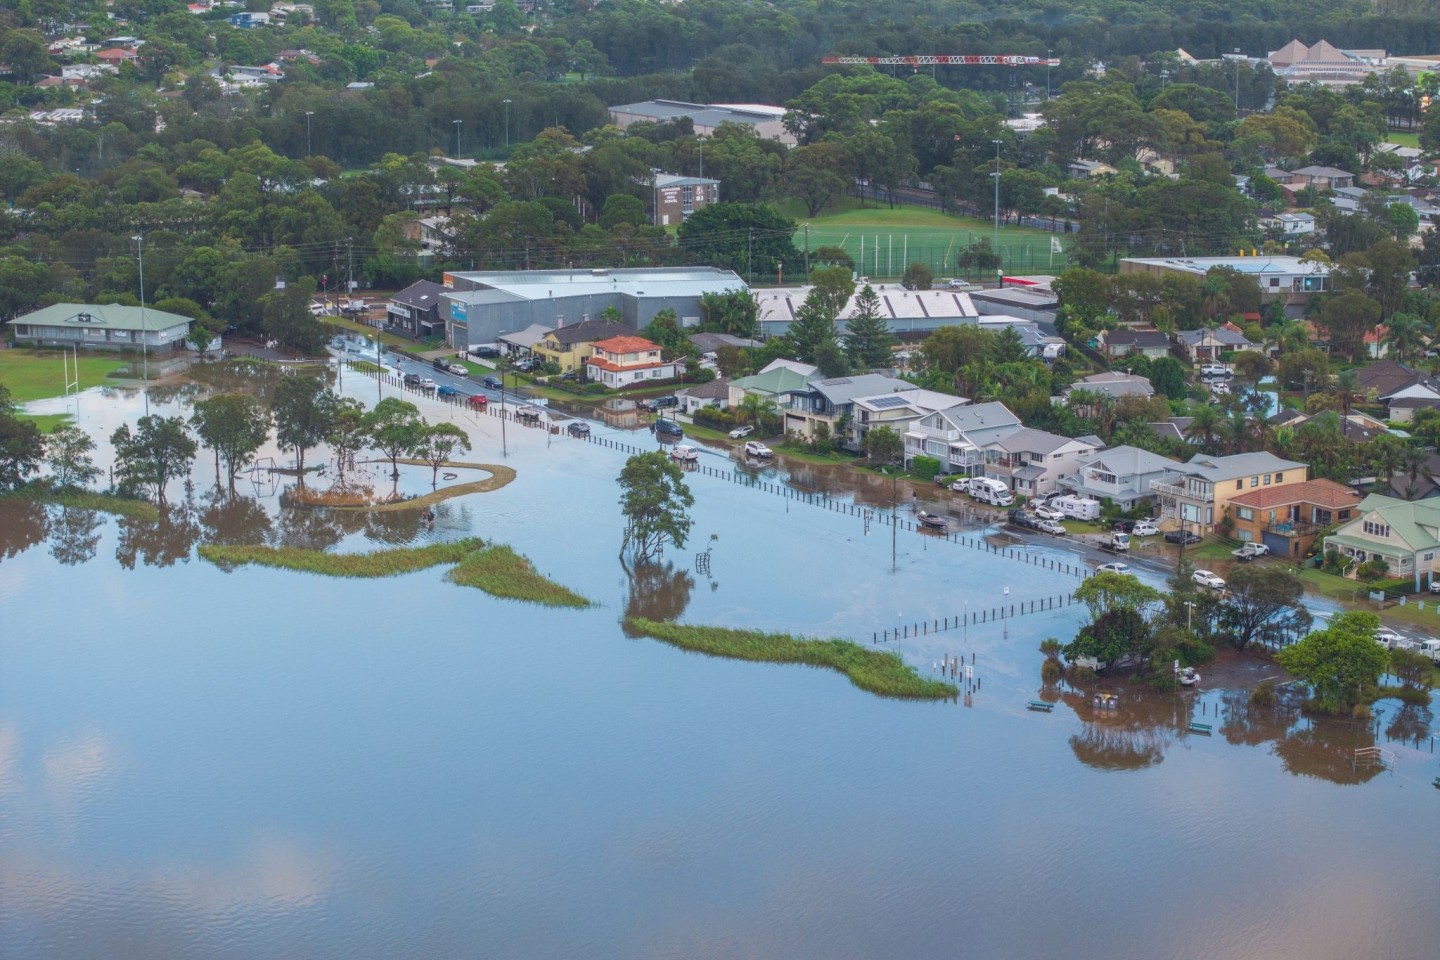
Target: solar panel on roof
x=884, y=403
x=835, y=381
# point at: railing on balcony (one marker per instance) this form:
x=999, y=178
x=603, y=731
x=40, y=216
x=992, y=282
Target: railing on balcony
x=1169, y=490
x=1294, y=528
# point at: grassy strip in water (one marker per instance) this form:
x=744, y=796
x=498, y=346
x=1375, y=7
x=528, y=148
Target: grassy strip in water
x=86, y=500
x=872, y=670
x=499, y=477
x=502, y=572
x=377, y=563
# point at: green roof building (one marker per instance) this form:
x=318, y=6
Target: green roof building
x=1403, y=533
x=102, y=326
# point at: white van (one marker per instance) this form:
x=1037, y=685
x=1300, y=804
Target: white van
x=991, y=491
x=1077, y=508
x=1215, y=371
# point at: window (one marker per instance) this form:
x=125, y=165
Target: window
x=1244, y=513
x=1279, y=478
x=1104, y=477
x=1267, y=479
x=1239, y=484
x=1375, y=529
x=1255, y=481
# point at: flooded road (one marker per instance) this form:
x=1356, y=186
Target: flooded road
x=268, y=763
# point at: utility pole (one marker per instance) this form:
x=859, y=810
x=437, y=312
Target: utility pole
x=144, y=327
x=807, y=250
x=308, y=151
x=996, y=175
x=750, y=256
x=1237, y=82
x=506, y=101
x=457, y=124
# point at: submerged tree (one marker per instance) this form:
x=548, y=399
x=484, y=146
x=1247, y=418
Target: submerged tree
x=233, y=425
x=1339, y=661
x=303, y=407
x=158, y=451
x=396, y=429
x=655, y=501
x=21, y=444
x=67, y=454
x=438, y=442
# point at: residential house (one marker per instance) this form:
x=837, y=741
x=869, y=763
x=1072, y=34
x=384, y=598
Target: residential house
x=102, y=327
x=897, y=410
x=1080, y=169
x=1198, y=494
x=1173, y=428
x=1289, y=280
x=829, y=403
x=625, y=361
x=570, y=346
x=1126, y=342
x=1121, y=475
x=522, y=342
x=1206, y=345
x=1113, y=384
x=957, y=436
x=1403, y=533
x=715, y=394
x=775, y=384
x=1288, y=519
x=1289, y=225
x=1321, y=178
x=1355, y=427
x=711, y=342
x=1401, y=388
x=415, y=311
x=1031, y=461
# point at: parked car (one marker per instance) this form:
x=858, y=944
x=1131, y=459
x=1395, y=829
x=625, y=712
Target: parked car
x=578, y=428
x=1021, y=518
x=1143, y=528
x=492, y=382
x=1123, y=526
x=479, y=401
x=667, y=429
x=441, y=364
x=660, y=403
x=1048, y=513
x=488, y=353
x=1207, y=579
x=570, y=376
x=428, y=385
x=1249, y=551
x=684, y=453
x=524, y=365
x=1435, y=586
x=456, y=370
x=1115, y=567
x=1050, y=527
x=411, y=380
x=741, y=432
x=754, y=448
x=1181, y=536
x=445, y=390
x=1388, y=637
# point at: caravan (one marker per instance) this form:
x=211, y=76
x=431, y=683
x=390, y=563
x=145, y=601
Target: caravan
x=1077, y=508
x=990, y=491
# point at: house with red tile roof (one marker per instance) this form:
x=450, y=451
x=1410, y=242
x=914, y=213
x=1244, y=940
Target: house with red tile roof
x=625, y=361
x=1288, y=519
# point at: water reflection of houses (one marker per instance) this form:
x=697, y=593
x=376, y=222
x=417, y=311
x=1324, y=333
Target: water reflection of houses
x=621, y=414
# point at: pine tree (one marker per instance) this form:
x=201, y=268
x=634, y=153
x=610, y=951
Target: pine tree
x=867, y=334
x=813, y=330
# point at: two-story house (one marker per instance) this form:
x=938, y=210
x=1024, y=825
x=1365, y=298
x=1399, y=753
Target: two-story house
x=831, y=402
x=1121, y=474
x=1403, y=533
x=415, y=311
x=775, y=384
x=1288, y=519
x=894, y=410
x=620, y=362
x=957, y=436
x=1031, y=461
x=1198, y=495
x=570, y=345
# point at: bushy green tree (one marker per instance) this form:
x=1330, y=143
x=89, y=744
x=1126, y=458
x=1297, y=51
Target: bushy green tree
x=655, y=502
x=158, y=451
x=234, y=425
x=21, y=445
x=1339, y=661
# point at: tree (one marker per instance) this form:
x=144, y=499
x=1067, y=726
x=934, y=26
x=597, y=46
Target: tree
x=1252, y=366
x=655, y=501
x=1347, y=317
x=286, y=317
x=303, y=408
x=67, y=454
x=813, y=330
x=867, y=334
x=748, y=239
x=1339, y=661
x=159, y=451
x=815, y=175
x=234, y=425
x=348, y=432
x=917, y=277
x=438, y=443
x=832, y=288
x=396, y=430
x=21, y=445
x=757, y=409
x=884, y=445
x=978, y=259
x=1262, y=603
x=1106, y=592
x=664, y=330
x=1167, y=376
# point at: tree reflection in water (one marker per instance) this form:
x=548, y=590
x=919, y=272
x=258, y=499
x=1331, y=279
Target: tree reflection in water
x=1325, y=750
x=1132, y=736
x=1253, y=724
x=74, y=534
x=657, y=592
x=1408, y=724
x=23, y=524
x=161, y=542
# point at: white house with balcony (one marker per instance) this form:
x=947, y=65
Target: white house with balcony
x=958, y=436
x=1031, y=461
x=624, y=361
x=1121, y=474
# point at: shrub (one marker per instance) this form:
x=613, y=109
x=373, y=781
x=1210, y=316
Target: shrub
x=1264, y=694
x=926, y=467
x=1051, y=671
x=1371, y=570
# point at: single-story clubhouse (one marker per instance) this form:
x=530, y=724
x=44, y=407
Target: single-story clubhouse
x=102, y=326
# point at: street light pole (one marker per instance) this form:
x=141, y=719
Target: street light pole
x=309, y=151
x=144, y=333
x=507, y=101
x=996, y=175
x=457, y=137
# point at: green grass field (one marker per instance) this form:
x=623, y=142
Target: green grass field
x=894, y=238
x=47, y=422
x=38, y=374
x=1404, y=139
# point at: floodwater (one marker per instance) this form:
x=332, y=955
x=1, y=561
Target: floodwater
x=269, y=764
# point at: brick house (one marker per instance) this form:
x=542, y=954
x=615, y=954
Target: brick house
x=1288, y=519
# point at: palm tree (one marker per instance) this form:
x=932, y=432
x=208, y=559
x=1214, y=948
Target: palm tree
x=1236, y=431
x=1406, y=335
x=1387, y=457
x=1416, y=466
x=756, y=407
x=1347, y=390
x=1204, y=427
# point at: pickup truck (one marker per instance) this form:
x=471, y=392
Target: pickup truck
x=1250, y=551
x=1116, y=543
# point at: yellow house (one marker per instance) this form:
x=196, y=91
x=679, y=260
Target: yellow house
x=571, y=346
x=1199, y=493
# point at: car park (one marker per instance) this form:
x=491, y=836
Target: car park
x=1205, y=578
x=1050, y=527
x=493, y=383
x=445, y=390
x=741, y=432
x=578, y=428
x=754, y=448
x=1181, y=536
x=1048, y=513
x=1114, y=567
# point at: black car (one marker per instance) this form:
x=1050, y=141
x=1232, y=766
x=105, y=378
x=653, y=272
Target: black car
x=441, y=364
x=667, y=428
x=489, y=353
x=578, y=428
x=1123, y=526
x=1022, y=518
x=492, y=382
x=660, y=403
x=1178, y=536
x=412, y=380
